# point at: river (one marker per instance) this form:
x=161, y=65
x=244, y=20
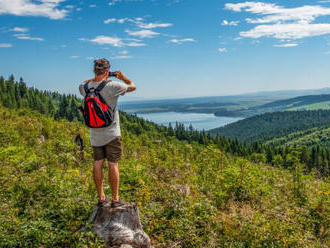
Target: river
x=198, y=121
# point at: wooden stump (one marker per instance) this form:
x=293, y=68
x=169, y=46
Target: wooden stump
x=120, y=227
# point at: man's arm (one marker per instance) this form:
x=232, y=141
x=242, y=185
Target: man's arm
x=122, y=77
x=81, y=86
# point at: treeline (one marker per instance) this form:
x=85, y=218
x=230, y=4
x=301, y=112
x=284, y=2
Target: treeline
x=18, y=95
x=286, y=156
x=310, y=137
x=268, y=126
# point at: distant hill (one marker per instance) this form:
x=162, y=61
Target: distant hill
x=268, y=126
x=309, y=102
x=310, y=137
x=299, y=103
x=234, y=105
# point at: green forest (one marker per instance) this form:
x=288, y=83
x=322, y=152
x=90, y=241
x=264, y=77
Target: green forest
x=17, y=95
x=309, y=137
x=193, y=190
x=274, y=125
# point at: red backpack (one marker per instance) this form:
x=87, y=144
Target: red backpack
x=96, y=112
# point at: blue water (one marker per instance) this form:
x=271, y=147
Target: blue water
x=198, y=121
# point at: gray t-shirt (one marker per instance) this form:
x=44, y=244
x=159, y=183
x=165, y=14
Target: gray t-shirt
x=111, y=91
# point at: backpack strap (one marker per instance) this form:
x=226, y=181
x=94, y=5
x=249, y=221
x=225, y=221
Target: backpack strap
x=101, y=86
x=86, y=88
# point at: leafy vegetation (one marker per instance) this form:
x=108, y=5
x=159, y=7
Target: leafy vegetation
x=66, y=106
x=190, y=195
x=310, y=137
x=273, y=125
x=193, y=190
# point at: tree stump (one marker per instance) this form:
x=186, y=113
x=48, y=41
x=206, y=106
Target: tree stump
x=119, y=227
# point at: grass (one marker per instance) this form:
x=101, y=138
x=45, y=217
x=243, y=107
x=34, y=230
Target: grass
x=189, y=195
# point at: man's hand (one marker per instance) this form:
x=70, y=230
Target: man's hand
x=122, y=77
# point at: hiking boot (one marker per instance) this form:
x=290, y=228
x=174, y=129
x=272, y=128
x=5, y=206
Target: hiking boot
x=118, y=203
x=101, y=203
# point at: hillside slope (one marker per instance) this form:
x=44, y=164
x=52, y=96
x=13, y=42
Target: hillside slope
x=299, y=103
x=308, y=102
x=17, y=95
x=310, y=137
x=274, y=125
x=190, y=195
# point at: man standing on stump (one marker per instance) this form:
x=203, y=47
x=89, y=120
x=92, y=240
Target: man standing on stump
x=106, y=141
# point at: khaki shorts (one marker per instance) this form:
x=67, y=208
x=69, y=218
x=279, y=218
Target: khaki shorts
x=112, y=151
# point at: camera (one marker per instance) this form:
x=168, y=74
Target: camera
x=112, y=74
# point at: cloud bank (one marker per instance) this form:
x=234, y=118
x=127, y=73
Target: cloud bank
x=282, y=23
x=44, y=8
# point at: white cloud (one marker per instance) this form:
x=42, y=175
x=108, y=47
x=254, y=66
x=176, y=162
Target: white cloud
x=229, y=23
x=123, y=20
x=114, y=41
x=110, y=20
x=144, y=33
x=283, y=23
x=5, y=45
x=18, y=29
x=288, y=31
x=45, y=8
x=153, y=25
x=113, y=2
x=122, y=57
x=138, y=21
x=92, y=5
x=74, y=57
x=180, y=41
x=27, y=37
x=286, y=45
x=222, y=50
x=21, y=33
x=124, y=52
x=135, y=44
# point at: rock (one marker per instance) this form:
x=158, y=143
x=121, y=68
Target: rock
x=41, y=139
x=119, y=227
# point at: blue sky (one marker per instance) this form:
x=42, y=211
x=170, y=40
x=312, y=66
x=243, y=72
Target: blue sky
x=169, y=48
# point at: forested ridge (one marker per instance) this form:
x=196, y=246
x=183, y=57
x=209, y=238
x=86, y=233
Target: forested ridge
x=189, y=194
x=301, y=101
x=273, y=125
x=318, y=136
x=307, y=130
x=17, y=95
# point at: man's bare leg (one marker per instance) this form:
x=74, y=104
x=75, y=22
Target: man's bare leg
x=114, y=180
x=98, y=178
